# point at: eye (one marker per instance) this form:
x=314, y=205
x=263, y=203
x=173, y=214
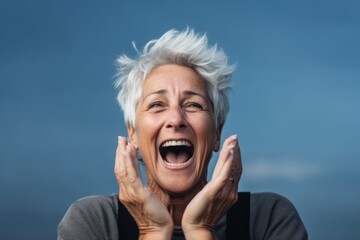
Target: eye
x=194, y=106
x=155, y=105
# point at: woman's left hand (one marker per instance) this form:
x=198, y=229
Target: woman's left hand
x=216, y=198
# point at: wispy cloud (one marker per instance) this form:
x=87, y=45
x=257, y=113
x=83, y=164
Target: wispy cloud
x=281, y=169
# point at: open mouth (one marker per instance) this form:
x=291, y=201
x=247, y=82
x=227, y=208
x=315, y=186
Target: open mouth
x=176, y=154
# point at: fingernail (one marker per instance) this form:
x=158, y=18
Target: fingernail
x=119, y=138
x=234, y=141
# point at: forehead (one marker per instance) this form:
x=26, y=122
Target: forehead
x=173, y=77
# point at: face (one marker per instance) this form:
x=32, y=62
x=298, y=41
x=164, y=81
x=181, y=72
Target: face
x=175, y=128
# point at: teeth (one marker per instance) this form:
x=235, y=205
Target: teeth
x=176, y=143
x=177, y=165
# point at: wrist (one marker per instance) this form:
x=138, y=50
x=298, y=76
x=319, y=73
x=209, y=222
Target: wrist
x=163, y=233
x=203, y=232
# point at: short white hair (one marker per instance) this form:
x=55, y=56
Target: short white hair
x=184, y=48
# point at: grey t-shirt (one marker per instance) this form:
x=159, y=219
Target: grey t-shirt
x=271, y=217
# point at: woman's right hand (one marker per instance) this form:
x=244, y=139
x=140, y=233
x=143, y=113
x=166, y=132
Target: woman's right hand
x=150, y=214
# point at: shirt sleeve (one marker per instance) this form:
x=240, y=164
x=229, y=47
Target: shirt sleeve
x=275, y=217
x=90, y=218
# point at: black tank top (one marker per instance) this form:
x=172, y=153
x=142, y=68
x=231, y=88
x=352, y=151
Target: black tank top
x=237, y=221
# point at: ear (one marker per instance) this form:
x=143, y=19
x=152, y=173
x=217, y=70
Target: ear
x=132, y=136
x=217, y=139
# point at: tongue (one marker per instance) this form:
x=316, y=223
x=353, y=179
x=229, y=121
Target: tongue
x=177, y=158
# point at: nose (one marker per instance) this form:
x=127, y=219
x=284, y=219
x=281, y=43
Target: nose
x=175, y=119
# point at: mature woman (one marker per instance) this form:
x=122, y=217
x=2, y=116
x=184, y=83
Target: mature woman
x=174, y=98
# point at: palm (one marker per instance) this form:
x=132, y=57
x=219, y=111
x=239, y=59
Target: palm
x=213, y=201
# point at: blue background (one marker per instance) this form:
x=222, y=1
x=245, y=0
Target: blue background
x=294, y=105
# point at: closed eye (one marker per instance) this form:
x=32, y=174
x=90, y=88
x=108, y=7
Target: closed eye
x=155, y=105
x=194, y=106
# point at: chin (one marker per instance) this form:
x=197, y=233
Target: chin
x=180, y=186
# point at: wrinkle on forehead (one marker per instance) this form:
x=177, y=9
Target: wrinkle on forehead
x=174, y=83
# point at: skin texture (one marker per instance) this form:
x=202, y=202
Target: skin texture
x=174, y=105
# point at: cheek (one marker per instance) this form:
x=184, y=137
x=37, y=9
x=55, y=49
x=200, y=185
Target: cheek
x=204, y=130
x=204, y=126
x=147, y=132
x=147, y=126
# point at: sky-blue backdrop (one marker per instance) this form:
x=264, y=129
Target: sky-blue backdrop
x=295, y=102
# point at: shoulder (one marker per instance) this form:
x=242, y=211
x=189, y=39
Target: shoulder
x=90, y=218
x=94, y=207
x=96, y=203
x=273, y=216
x=266, y=201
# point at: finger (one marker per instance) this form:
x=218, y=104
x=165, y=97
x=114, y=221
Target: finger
x=222, y=158
x=132, y=166
x=127, y=171
x=134, y=158
x=231, y=171
x=119, y=168
x=223, y=179
x=226, y=171
x=237, y=164
x=225, y=154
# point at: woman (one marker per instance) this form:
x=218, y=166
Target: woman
x=174, y=98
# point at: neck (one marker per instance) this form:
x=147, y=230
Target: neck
x=176, y=203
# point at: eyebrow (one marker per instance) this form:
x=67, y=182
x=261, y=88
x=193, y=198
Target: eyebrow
x=186, y=93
